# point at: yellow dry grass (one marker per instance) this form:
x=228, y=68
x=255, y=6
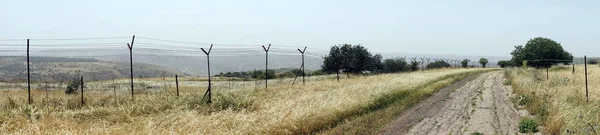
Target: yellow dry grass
x=559, y=102
x=283, y=109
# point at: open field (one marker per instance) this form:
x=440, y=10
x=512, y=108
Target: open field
x=559, y=102
x=242, y=109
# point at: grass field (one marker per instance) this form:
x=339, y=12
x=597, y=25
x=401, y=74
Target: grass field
x=321, y=105
x=559, y=102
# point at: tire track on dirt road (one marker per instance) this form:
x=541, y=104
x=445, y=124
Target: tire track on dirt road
x=476, y=104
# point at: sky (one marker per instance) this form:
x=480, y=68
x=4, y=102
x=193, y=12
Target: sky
x=452, y=27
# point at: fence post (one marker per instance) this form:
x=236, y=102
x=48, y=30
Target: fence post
x=573, y=67
x=28, y=76
x=294, y=82
x=208, y=91
x=303, y=68
x=177, y=85
x=587, y=98
x=130, y=46
x=267, y=66
x=114, y=86
x=82, y=100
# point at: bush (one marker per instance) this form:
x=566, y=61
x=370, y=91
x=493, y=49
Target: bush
x=528, y=125
x=438, y=64
x=592, y=61
x=72, y=87
x=476, y=133
x=506, y=63
x=524, y=99
x=394, y=65
x=318, y=72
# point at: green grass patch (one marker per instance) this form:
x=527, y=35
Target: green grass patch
x=528, y=125
x=476, y=133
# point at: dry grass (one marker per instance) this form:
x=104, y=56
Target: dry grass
x=560, y=102
x=283, y=109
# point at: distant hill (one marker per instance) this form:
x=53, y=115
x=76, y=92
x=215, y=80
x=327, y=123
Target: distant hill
x=197, y=66
x=14, y=69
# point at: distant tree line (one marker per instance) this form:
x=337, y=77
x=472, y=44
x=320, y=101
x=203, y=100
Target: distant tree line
x=356, y=59
x=271, y=74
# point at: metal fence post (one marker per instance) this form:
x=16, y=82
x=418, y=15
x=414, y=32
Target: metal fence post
x=208, y=91
x=303, y=67
x=82, y=100
x=130, y=46
x=177, y=84
x=587, y=98
x=28, y=76
x=267, y=66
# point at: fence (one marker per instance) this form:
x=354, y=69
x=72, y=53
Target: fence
x=585, y=63
x=146, y=63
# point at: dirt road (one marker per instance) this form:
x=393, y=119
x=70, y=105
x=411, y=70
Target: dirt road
x=476, y=104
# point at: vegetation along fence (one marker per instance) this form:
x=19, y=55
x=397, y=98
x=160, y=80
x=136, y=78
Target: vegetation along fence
x=151, y=65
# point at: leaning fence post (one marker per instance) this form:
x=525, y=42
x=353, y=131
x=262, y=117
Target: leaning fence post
x=208, y=91
x=267, y=66
x=82, y=100
x=130, y=46
x=573, y=67
x=28, y=76
x=587, y=98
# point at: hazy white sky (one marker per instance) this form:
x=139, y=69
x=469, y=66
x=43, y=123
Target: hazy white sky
x=463, y=27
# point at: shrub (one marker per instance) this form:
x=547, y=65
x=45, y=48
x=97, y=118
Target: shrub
x=524, y=99
x=528, y=125
x=438, y=64
x=394, y=65
x=476, y=133
x=505, y=63
x=318, y=72
x=592, y=61
x=72, y=87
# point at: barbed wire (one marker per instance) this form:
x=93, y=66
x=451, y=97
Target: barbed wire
x=91, y=38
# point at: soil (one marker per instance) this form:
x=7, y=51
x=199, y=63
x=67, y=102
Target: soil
x=478, y=103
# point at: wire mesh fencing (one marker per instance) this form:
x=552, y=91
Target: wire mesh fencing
x=149, y=65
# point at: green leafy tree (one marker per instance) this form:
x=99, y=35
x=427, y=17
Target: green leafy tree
x=438, y=64
x=465, y=63
x=394, y=65
x=517, y=55
x=351, y=59
x=375, y=65
x=483, y=62
x=541, y=53
x=506, y=63
x=332, y=63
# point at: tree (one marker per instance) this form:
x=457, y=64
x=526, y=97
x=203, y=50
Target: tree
x=541, y=53
x=517, y=54
x=351, y=59
x=394, y=65
x=332, y=63
x=506, y=63
x=374, y=64
x=438, y=64
x=483, y=62
x=465, y=63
